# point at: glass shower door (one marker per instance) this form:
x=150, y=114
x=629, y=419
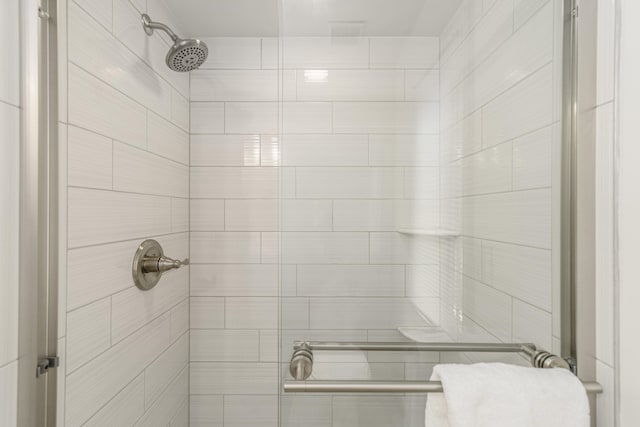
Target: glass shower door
x=419, y=152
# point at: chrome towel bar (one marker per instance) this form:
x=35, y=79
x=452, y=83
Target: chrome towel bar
x=384, y=387
x=301, y=365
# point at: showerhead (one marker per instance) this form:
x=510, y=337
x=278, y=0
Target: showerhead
x=185, y=54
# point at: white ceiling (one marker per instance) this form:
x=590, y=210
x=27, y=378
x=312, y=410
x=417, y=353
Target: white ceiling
x=259, y=18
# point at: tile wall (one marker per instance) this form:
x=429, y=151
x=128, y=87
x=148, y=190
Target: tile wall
x=10, y=83
x=500, y=145
x=321, y=187
x=124, y=161
x=605, y=246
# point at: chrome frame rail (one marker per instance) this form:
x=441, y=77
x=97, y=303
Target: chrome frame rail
x=384, y=387
x=301, y=365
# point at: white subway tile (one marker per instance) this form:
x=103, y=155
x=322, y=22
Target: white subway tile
x=124, y=409
x=264, y=411
x=234, y=85
x=270, y=247
x=383, y=410
x=97, y=216
x=422, y=280
x=97, y=271
x=10, y=73
x=251, y=215
x=294, y=312
x=492, y=31
x=508, y=116
x=324, y=248
x=98, y=107
x=325, y=52
x=349, y=183
x=462, y=22
x=606, y=47
x=89, y=159
x=225, y=247
x=9, y=391
x=166, y=139
x=180, y=110
x=228, y=345
x=350, y=280
x=422, y=85
x=313, y=411
x=250, y=117
x=422, y=183
x=530, y=324
x=95, y=49
x=489, y=171
x=306, y=117
x=361, y=371
x=179, y=320
x=100, y=10
x=532, y=160
x=363, y=313
x=325, y=150
x=269, y=345
x=136, y=170
x=206, y=313
x=270, y=55
x=10, y=229
x=165, y=368
x=524, y=10
x=520, y=271
x=88, y=333
x=234, y=182
x=166, y=406
x=225, y=150
x=522, y=217
x=207, y=117
x=364, y=215
x=405, y=52
x=604, y=234
x=386, y=117
x=234, y=378
x=605, y=402
x=270, y=150
x=132, y=308
x=233, y=53
x=350, y=85
x=206, y=410
x=395, y=248
x=306, y=215
x=251, y=312
x=463, y=137
x=181, y=417
x=179, y=215
x=207, y=215
x=420, y=214
x=488, y=307
x=93, y=385
x=404, y=150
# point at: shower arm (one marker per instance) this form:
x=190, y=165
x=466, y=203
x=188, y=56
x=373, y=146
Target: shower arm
x=150, y=25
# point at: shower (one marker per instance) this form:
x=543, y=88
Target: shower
x=185, y=54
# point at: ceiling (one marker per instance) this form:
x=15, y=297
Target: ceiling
x=259, y=18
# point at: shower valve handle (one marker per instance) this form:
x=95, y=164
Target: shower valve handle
x=161, y=264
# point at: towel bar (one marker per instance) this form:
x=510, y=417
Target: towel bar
x=301, y=365
x=384, y=387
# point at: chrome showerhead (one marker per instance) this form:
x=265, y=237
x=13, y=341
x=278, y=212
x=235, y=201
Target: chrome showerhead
x=185, y=54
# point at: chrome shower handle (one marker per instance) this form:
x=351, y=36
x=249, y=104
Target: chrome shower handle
x=161, y=264
x=149, y=263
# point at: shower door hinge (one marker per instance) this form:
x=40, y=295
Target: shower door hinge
x=43, y=14
x=47, y=363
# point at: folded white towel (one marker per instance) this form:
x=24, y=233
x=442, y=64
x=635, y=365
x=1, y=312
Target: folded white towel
x=500, y=395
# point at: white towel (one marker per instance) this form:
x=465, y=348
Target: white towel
x=500, y=395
